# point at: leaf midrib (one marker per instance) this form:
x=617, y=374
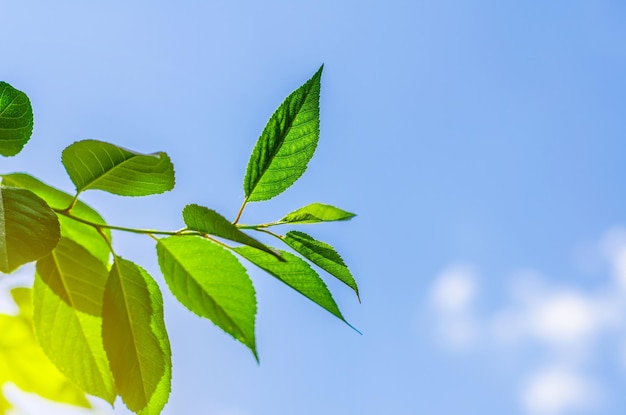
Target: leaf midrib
x=132, y=331
x=84, y=334
x=95, y=179
x=9, y=104
x=282, y=141
x=67, y=291
x=217, y=305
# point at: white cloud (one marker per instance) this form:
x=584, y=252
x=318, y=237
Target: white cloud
x=558, y=390
x=452, y=297
x=561, y=323
x=566, y=317
x=454, y=290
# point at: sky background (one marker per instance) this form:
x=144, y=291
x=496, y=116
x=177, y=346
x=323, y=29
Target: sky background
x=482, y=145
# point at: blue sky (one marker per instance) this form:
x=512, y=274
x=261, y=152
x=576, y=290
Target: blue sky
x=482, y=145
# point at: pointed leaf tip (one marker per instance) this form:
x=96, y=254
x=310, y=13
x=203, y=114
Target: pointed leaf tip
x=317, y=212
x=295, y=273
x=210, y=281
x=323, y=255
x=287, y=143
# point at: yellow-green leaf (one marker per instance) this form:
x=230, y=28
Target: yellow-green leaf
x=316, y=212
x=135, y=339
x=210, y=281
x=76, y=277
x=93, y=164
x=67, y=298
x=29, y=229
x=85, y=235
x=23, y=362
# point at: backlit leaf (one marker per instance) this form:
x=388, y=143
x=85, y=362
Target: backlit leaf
x=295, y=273
x=75, y=276
x=163, y=388
x=205, y=220
x=4, y=404
x=29, y=229
x=87, y=236
x=287, y=143
x=322, y=255
x=210, y=281
x=16, y=120
x=93, y=164
x=23, y=362
x=78, y=353
x=316, y=212
x=134, y=337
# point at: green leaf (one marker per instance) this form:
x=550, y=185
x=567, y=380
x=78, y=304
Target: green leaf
x=79, y=352
x=322, y=255
x=317, y=212
x=134, y=337
x=87, y=236
x=16, y=120
x=29, y=229
x=22, y=297
x=75, y=276
x=210, y=281
x=23, y=362
x=287, y=143
x=205, y=220
x=163, y=388
x=99, y=165
x=295, y=273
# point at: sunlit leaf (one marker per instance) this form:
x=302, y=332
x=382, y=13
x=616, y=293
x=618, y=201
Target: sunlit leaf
x=23, y=362
x=134, y=337
x=287, y=143
x=163, y=388
x=211, y=282
x=93, y=164
x=4, y=404
x=316, y=212
x=87, y=236
x=22, y=297
x=322, y=255
x=29, y=228
x=16, y=120
x=205, y=220
x=67, y=298
x=78, y=353
x=75, y=276
x=295, y=273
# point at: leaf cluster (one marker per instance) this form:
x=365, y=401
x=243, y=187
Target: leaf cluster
x=95, y=322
